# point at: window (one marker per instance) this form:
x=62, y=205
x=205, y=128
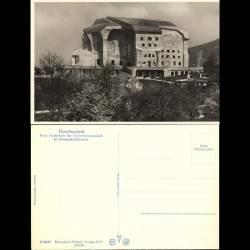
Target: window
x=179, y=63
x=98, y=62
x=143, y=44
x=178, y=51
x=162, y=63
x=112, y=47
x=153, y=55
x=149, y=63
x=145, y=55
x=173, y=56
x=121, y=63
x=174, y=63
x=156, y=38
x=173, y=51
x=161, y=56
x=167, y=56
x=77, y=59
x=149, y=55
x=144, y=62
x=162, y=50
x=129, y=49
x=149, y=38
x=138, y=73
x=113, y=62
x=168, y=50
x=142, y=38
x=179, y=57
x=154, y=63
x=155, y=44
x=149, y=45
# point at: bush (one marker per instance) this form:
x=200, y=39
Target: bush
x=106, y=96
x=88, y=104
x=126, y=69
x=169, y=103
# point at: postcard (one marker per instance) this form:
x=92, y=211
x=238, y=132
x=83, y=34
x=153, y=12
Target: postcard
x=124, y=125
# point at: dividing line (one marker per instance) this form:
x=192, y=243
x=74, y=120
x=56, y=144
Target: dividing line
x=184, y=213
x=152, y=158
x=118, y=185
x=168, y=178
x=168, y=191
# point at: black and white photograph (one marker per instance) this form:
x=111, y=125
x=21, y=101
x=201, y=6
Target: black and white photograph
x=126, y=62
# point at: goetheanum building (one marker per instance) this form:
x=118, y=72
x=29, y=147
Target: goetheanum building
x=147, y=47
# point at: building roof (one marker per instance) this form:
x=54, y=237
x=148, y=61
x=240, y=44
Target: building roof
x=136, y=24
x=142, y=22
x=99, y=24
x=146, y=29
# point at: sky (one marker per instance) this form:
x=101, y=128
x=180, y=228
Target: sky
x=59, y=26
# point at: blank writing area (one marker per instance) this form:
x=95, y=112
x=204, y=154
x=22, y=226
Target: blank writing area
x=74, y=197
x=166, y=201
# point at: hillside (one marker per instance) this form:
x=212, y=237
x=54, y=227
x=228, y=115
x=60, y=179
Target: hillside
x=207, y=48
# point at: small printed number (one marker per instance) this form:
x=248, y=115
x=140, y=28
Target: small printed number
x=45, y=241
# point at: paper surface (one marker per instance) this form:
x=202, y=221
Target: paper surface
x=121, y=186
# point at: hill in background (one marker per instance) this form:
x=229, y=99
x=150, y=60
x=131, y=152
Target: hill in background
x=207, y=48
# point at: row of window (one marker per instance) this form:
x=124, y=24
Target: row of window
x=149, y=55
x=162, y=63
x=168, y=51
x=113, y=62
x=149, y=45
x=174, y=63
x=149, y=38
x=149, y=63
x=155, y=45
x=162, y=56
x=168, y=56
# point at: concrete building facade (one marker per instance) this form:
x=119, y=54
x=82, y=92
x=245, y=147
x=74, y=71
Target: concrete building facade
x=147, y=47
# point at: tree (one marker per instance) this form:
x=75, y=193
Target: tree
x=191, y=100
x=104, y=79
x=211, y=66
x=165, y=103
x=38, y=71
x=52, y=65
x=126, y=69
x=89, y=104
x=104, y=96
